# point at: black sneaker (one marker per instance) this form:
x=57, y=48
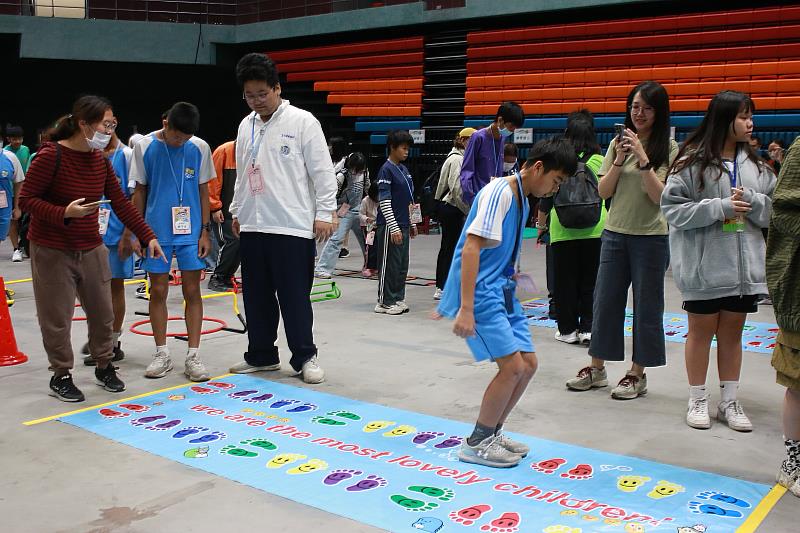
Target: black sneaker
x=119, y=355
x=64, y=389
x=217, y=285
x=141, y=292
x=344, y=252
x=107, y=378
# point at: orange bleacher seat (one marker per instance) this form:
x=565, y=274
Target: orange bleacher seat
x=386, y=85
x=376, y=99
x=342, y=50
x=350, y=62
x=372, y=111
x=356, y=73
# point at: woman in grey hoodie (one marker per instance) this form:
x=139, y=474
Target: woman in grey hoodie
x=716, y=201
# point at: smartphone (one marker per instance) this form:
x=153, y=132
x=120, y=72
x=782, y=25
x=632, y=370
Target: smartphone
x=620, y=131
x=98, y=202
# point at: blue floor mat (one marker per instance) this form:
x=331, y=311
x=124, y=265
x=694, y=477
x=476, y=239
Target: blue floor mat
x=399, y=471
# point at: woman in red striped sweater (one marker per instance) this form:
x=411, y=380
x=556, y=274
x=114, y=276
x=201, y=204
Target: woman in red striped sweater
x=64, y=184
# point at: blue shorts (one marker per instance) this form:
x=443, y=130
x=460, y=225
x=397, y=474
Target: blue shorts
x=4, y=225
x=120, y=268
x=186, y=254
x=498, y=334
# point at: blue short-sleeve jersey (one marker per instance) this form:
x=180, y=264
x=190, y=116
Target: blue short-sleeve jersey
x=121, y=162
x=10, y=173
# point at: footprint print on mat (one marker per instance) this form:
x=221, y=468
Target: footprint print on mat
x=345, y=414
x=164, y=426
x=258, y=399
x=209, y=437
x=400, y=431
x=370, y=482
x=506, y=523
x=283, y=459
x=548, y=466
x=444, y=495
x=722, y=497
x=235, y=451
x=241, y=394
x=558, y=528
x=260, y=443
x=579, y=472
x=111, y=413
x=328, y=421
x=424, y=436
x=449, y=442
x=469, y=515
x=203, y=390
x=411, y=504
x=306, y=468
x=302, y=408
x=280, y=404
x=187, y=431
x=715, y=510
x=337, y=476
x=134, y=407
x=147, y=420
x=377, y=425
x=221, y=385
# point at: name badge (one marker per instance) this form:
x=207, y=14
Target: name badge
x=415, y=213
x=370, y=239
x=255, y=179
x=732, y=225
x=3, y=200
x=181, y=220
x=102, y=219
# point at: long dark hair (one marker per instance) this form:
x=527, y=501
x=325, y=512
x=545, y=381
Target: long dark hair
x=90, y=109
x=655, y=95
x=580, y=131
x=705, y=144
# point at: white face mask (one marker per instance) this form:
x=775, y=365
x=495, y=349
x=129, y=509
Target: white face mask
x=508, y=166
x=99, y=141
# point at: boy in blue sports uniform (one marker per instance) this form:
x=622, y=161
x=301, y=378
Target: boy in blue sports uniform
x=479, y=294
x=11, y=178
x=171, y=168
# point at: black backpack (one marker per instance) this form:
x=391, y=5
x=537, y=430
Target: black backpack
x=428, y=202
x=577, y=202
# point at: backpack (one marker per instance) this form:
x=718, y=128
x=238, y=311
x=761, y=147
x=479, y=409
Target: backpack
x=577, y=202
x=428, y=202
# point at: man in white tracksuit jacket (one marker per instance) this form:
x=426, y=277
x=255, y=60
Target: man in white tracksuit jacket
x=284, y=197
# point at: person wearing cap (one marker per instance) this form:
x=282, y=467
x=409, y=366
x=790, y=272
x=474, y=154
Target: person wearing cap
x=15, y=135
x=452, y=211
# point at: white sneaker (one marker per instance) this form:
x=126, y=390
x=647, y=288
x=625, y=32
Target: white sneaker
x=514, y=446
x=572, y=338
x=389, y=309
x=321, y=274
x=489, y=452
x=244, y=367
x=585, y=338
x=437, y=294
x=195, y=370
x=312, y=372
x=159, y=366
x=734, y=415
x=402, y=305
x=16, y=257
x=697, y=416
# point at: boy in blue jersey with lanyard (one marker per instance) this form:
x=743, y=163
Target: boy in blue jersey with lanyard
x=171, y=168
x=398, y=216
x=479, y=294
x=11, y=178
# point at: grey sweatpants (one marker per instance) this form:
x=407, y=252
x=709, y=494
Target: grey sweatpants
x=393, y=266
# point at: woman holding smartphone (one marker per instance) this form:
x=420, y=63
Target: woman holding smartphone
x=716, y=201
x=635, y=248
x=62, y=192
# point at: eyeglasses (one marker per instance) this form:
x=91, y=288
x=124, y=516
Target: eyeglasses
x=255, y=97
x=636, y=109
x=110, y=126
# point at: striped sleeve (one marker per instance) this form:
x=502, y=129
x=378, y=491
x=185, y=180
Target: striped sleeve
x=37, y=184
x=494, y=201
x=386, y=209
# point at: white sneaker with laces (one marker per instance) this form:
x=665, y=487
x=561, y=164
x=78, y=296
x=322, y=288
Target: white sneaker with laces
x=321, y=274
x=16, y=257
x=159, y=366
x=243, y=367
x=402, y=305
x=489, y=452
x=585, y=338
x=195, y=370
x=571, y=338
x=312, y=372
x=389, y=309
x=512, y=445
x=733, y=414
x=437, y=294
x=697, y=416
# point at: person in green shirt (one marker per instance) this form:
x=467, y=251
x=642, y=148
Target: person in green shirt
x=635, y=246
x=15, y=136
x=576, y=251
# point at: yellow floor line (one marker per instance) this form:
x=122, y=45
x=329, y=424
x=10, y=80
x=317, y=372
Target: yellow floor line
x=49, y=418
x=762, y=509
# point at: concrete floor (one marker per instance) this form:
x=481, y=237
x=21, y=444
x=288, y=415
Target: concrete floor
x=57, y=478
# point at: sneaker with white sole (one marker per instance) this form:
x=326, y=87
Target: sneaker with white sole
x=789, y=477
x=108, y=379
x=16, y=256
x=389, y=309
x=437, y=294
x=312, y=372
x=64, y=389
x=733, y=414
x=195, y=370
x=630, y=387
x=589, y=378
x=488, y=452
x=585, y=338
x=244, y=367
x=697, y=415
x=571, y=338
x=402, y=304
x=320, y=274
x=512, y=445
x=159, y=366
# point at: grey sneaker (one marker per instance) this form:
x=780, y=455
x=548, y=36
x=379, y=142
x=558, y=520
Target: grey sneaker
x=512, y=445
x=630, y=387
x=195, y=370
x=312, y=372
x=159, y=366
x=389, y=309
x=244, y=367
x=734, y=415
x=790, y=479
x=489, y=452
x=402, y=305
x=697, y=415
x=588, y=378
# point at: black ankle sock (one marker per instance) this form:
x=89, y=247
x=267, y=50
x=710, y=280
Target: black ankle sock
x=479, y=434
x=498, y=429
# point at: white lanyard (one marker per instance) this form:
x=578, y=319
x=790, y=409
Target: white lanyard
x=256, y=147
x=182, y=175
x=407, y=181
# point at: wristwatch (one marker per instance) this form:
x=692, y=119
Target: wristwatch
x=648, y=166
x=206, y=226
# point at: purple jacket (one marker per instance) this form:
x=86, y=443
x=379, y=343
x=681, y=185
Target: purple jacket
x=483, y=159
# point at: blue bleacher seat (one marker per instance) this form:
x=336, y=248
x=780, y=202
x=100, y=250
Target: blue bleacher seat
x=384, y=126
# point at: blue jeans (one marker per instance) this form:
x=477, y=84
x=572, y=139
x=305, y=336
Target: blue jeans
x=330, y=252
x=625, y=260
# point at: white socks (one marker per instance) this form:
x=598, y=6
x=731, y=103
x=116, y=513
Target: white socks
x=697, y=392
x=191, y=352
x=163, y=349
x=728, y=391
x=115, y=335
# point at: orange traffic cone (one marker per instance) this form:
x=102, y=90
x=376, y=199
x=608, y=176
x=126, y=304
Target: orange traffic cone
x=9, y=354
